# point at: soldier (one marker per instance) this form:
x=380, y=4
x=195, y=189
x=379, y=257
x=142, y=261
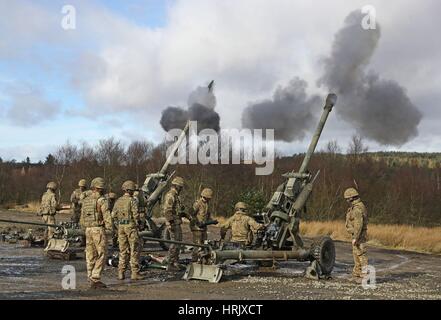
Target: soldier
x=111, y=198
x=96, y=220
x=356, y=226
x=75, y=200
x=170, y=210
x=241, y=224
x=200, y=215
x=141, y=205
x=48, y=209
x=127, y=215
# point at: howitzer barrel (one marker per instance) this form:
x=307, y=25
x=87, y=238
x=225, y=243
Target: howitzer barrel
x=218, y=256
x=41, y=224
x=141, y=234
x=175, y=148
x=330, y=102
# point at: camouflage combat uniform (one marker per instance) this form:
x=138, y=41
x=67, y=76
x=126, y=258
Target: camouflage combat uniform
x=199, y=215
x=75, y=205
x=356, y=225
x=170, y=207
x=96, y=219
x=241, y=224
x=48, y=209
x=127, y=215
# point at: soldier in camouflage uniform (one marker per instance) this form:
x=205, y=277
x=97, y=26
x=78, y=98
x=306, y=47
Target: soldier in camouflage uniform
x=111, y=198
x=199, y=215
x=127, y=215
x=241, y=224
x=356, y=226
x=170, y=210
x=48, y=209
x=141, y=204
x=75, y=200
x=96, y=220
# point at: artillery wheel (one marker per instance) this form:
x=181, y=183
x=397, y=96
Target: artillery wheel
x=165, y=234
x=323, y=251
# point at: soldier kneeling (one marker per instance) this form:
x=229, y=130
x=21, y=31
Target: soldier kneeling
x=240, y=224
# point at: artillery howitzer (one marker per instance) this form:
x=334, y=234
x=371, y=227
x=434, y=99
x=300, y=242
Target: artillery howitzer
x=281, y=239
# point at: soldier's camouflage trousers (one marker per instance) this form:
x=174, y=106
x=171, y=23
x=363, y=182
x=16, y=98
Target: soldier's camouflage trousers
x=360, y=259
x=76, y=214
x=176, y=235
x=96, y=245
x=129, y=247
x=199, y=237
x=49, y=219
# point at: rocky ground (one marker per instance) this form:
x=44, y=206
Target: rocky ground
x=26, y=273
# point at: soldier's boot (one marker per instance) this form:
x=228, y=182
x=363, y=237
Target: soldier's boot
x=121, y=275
x=97, y=285
x=137, y=276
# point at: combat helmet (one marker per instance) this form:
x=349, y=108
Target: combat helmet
x=350, y=193
x=129, y=185
x=51, y=185
x=240, y=206
x=82, y=183
x=207, y=193
x=178, y=181
x=97, y=183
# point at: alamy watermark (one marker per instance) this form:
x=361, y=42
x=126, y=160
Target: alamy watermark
x=369, y=280
x=69, y=281
x=229, y=146
x=369, y=21
x=69, y=20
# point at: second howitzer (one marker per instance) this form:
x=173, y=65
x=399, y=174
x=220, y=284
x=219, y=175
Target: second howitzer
x=281, y=239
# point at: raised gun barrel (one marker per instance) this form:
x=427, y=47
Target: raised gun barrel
x=283, y=210
x=154, y=184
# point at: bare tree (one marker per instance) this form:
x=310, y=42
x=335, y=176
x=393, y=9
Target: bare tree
x=111, y=156
x=357, y=147
x=332, y=147
x=138, y=153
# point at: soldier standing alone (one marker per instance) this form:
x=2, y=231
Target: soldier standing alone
x=241, y=224
x=200, y=215
x=356, y=226
x=96, y=220
x=126, y=213
x=170, y=210
x=48, y=209
x=75, y=200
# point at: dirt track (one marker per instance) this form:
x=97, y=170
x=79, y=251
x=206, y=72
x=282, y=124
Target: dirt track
x=25, y=273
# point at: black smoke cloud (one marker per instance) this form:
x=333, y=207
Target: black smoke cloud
x=201, y=105
x=289, y=112
x=379, y=109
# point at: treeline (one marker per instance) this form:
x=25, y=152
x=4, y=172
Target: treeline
x=405, y=194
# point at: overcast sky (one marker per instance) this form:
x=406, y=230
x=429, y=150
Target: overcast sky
x=127, y=61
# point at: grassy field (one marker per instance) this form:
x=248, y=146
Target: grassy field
x=405, y=237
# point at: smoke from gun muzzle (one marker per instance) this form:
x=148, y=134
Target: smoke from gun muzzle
x=379, y=109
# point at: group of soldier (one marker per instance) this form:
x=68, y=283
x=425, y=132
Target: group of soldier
x=100, y=214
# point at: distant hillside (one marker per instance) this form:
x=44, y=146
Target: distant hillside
x=422, y=160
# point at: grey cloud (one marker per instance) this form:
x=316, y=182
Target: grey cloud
x=290, y=112
x=201, y=103
x=379, y=109
x=28, y=105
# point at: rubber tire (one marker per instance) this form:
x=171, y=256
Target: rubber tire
x=165, y=234
x=323, y=250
